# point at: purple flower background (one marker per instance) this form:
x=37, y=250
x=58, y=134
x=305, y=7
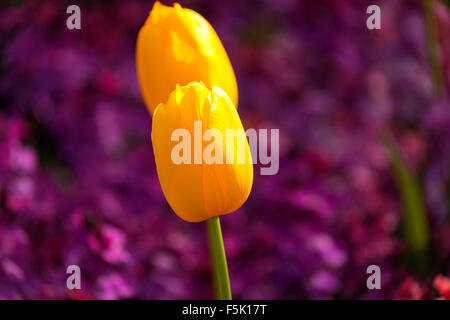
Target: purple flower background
x=78, y=182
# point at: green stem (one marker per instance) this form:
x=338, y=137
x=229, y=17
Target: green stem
x=218, y=259
x=433, y=48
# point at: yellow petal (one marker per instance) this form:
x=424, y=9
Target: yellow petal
x=229, y=185
x=197, y=192
x=178, y=46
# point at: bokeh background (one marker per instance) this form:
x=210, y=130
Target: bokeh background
x=364, y=177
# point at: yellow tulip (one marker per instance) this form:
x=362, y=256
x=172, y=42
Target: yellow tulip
x=195, y=187
x=178, y=46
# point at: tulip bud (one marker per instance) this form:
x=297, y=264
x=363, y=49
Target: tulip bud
x=205, y=168
x=178, y=46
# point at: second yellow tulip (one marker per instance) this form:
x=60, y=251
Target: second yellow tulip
x=178, y=46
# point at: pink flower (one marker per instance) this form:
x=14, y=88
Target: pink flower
x=410, y=289
x=442, y=285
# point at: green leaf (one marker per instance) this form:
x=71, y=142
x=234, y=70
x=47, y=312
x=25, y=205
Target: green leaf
x=415, y=223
